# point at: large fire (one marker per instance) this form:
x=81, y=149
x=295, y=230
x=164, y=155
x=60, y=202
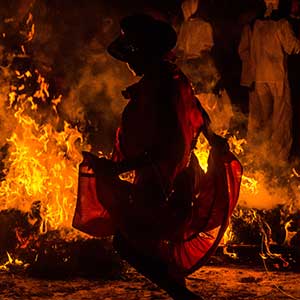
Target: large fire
x=41, y=160
x=42, y=154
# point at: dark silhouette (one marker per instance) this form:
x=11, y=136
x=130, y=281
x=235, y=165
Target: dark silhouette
x=171, y=218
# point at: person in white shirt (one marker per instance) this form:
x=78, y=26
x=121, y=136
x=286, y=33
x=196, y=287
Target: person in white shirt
x=194, y=45
x=264, y=48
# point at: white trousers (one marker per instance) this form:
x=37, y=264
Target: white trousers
x=270, y=120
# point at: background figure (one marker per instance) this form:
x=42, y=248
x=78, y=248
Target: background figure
x=195, y=41
x=247, y=79
x=248, y=71
x=294, y=73
x=268, y=42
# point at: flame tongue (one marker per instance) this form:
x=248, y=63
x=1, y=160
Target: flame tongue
x=41, y=162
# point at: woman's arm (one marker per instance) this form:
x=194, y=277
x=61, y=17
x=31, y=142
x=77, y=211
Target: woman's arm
x=105, y=166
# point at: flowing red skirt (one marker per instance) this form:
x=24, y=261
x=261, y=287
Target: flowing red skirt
x=184, y=231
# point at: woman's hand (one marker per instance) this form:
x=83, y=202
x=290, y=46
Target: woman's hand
x=104, y=166
x=219, y=143
x=100, y=165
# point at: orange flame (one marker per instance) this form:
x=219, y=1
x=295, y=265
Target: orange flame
x=42, y=162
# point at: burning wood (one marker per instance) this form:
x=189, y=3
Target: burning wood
x=56, y=253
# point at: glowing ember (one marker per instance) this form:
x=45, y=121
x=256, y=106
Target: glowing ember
x=289, y=234
x=12, y=262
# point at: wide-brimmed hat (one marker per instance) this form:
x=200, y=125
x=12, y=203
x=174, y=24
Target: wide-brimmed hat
x=142, y=34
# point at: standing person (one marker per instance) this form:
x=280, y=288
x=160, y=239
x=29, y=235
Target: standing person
x=294, y=73
x=248, y=71
x=194, y=45
x=247, y=79
x=270, y=111
x=169, y=221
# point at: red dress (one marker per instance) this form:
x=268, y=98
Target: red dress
x=172, y=209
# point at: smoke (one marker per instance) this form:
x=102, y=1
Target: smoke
x=265, y=192
x=69, y=50
x=69, y=46
x=268, y=182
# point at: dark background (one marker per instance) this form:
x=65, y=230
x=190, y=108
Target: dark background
x=69, y=49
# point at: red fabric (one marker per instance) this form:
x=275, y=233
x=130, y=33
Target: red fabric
x=162, y=116
x=215, y=204
x=90, y=215
x=172, y=210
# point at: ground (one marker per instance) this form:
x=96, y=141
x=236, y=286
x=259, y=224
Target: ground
x=212, y=282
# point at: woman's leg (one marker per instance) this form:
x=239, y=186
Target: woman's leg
x=155, y=270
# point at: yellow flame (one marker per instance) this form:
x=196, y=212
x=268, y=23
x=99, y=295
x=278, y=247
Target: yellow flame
x=12, y=261
x=202, y=152
x=31, y=33
x=250, y=184
x=236, y=145
x=288, y=234
x=228, y=235
x=42, y=93
x=42, y=162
